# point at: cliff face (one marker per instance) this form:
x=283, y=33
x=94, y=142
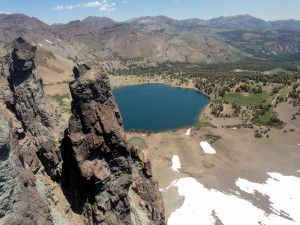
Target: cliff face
x=39, y=121
x=29, y=139
x=108, y=174
x=85, y=174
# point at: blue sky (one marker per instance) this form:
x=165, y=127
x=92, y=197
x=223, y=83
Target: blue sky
x=62, y=11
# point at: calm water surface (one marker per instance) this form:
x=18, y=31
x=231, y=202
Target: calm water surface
x=158, y=107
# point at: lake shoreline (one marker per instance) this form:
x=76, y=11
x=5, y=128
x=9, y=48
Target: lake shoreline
x=159, y=107
x=127, y=80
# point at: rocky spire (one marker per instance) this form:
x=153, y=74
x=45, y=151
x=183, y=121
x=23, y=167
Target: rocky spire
x=39, y=119
x=108, y=176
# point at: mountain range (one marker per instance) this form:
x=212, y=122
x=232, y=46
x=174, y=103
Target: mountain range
x=230, y=22
x=158, y=38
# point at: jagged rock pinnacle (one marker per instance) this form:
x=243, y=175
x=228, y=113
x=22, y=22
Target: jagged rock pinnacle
x=83, y=175
x=105, y=166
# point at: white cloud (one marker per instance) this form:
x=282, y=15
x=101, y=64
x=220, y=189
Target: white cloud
x=125, y=1
x=103, y=5
x=108, y=6
x=7, y=13
x=59, y=7
x=92, y=4
x=70, y=7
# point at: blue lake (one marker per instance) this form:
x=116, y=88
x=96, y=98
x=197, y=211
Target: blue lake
x=158, y=107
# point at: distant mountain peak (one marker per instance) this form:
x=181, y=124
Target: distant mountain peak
x=245, y=21
x=98, y=18
x=98, y=22
x=75, y=21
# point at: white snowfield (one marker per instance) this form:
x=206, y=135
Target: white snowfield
x=203, y=206
x=175, y=163
x=207, y=147
x=283, y=191
x=188, y=131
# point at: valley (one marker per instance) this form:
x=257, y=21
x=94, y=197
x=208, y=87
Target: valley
x=252, y=122
x=248, y=67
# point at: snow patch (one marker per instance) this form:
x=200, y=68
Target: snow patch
x=188, y=131
x=201, y=204
x=283, y=192
x=207, y=147
x=58, y=39
x=175, y=163
x=41, y=45
x=48, y=41
x=144, y=21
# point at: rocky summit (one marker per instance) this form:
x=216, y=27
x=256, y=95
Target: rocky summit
x=83, y=172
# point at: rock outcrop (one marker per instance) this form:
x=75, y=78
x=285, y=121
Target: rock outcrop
x=30, y=130
x=83, y=175
x=114, y=183
x=39, y=121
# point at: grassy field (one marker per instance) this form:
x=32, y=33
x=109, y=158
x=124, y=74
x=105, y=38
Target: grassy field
x=260, y=103
x=250, y=100
x=266, y=117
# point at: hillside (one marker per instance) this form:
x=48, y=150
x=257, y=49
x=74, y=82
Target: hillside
x=160, y=24
x=240, y=22
x=263, y=43
x=127, y=41
x=158, y=38
x=45, y=36
x=98, y=22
